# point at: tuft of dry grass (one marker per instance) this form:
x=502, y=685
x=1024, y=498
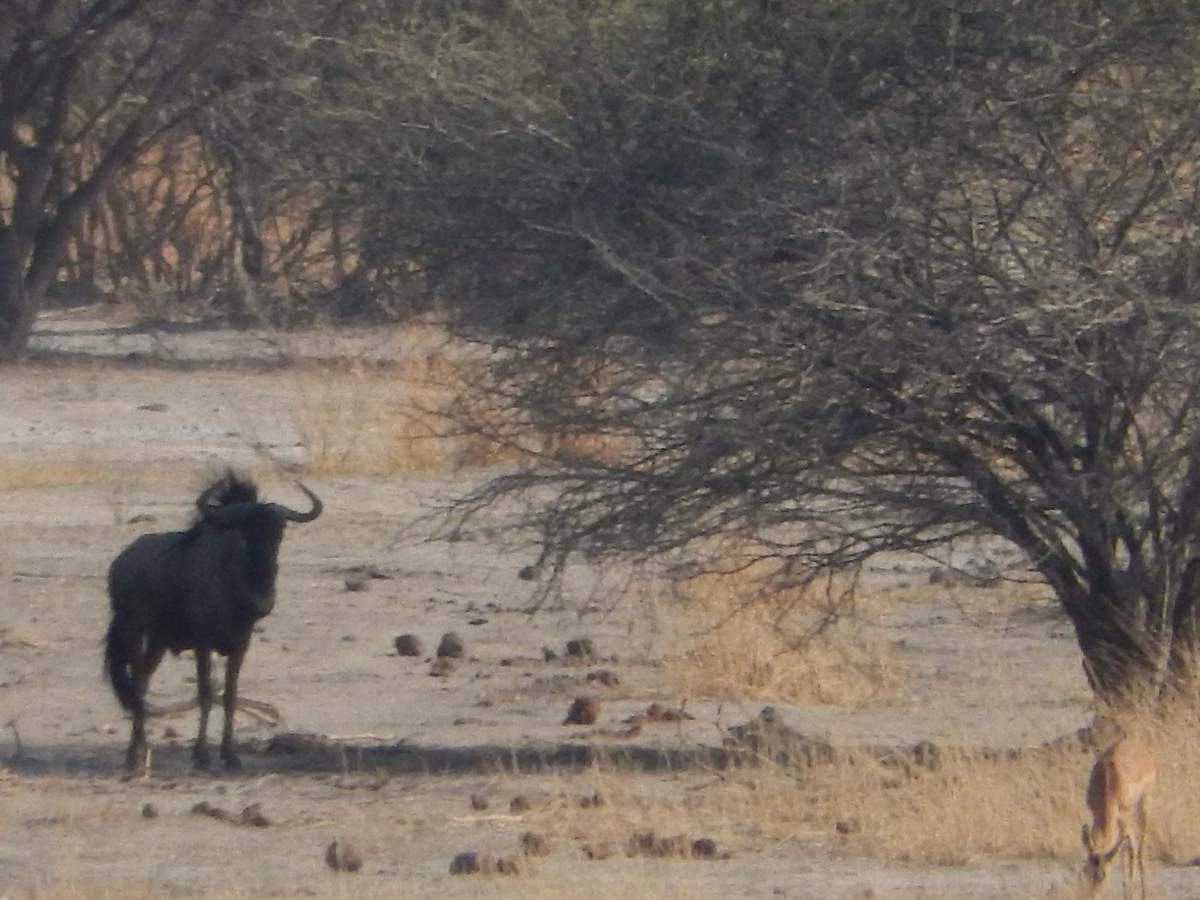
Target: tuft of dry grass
x=426, y=412
x=794, y=644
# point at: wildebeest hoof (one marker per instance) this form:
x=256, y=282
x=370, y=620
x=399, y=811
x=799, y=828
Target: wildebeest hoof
x=201, y=758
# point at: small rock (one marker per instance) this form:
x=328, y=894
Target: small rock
x=149, y=811
x=509, y=865
x=549, y=655
x=598, y=851
x=519, y=804
x=534, y=844
x=704, y=848
x=583, y=711
x=357, y=581
x=442, y=666
x=471, y=863
x=847, y=826
x=204, y=808
x=529, y=573
x=408, y=645
x=592, y=801
x=451, y=646
x=604, y=677
x=647, y=843
x=341, y=856
x=253, y=815
x=581, y=649
x=479, y=802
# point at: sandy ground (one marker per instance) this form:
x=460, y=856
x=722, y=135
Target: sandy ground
x=114, y=444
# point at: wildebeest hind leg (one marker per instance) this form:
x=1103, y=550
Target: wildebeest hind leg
x=143, y=666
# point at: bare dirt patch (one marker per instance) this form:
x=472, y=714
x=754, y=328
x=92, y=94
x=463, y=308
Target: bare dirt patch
x=409, y=770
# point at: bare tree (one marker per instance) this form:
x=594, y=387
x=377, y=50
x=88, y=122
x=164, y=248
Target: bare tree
x=100, y=75
x=839, y=280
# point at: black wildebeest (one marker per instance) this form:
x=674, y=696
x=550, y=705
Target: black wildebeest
x=202, y=590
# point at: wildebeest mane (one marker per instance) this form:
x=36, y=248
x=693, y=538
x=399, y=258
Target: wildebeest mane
x=226, y=489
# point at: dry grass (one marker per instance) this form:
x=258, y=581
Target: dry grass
x=411, y=416
x=740, y=642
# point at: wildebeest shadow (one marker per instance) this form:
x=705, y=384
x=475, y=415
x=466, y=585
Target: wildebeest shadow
x=764, y=739
x=301, y=754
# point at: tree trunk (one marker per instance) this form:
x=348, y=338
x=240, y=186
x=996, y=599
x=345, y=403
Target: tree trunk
x=1117, y=656
x=17, y=307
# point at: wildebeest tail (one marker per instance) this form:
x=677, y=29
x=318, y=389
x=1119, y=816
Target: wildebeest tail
x=121, y=647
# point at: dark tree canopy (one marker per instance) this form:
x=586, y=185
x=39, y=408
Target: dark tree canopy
x=85, y=86
x=840, y=277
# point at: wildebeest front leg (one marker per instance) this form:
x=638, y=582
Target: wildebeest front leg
x=233, y=665
x=138, y=755
x=204, y=696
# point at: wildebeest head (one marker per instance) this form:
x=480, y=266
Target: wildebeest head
x=231, y=505
x=233, y=500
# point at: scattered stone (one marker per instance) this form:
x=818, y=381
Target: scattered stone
x=171, y=734
x=442, y=666
x=149, y=811
x=357, y=581
x=451, y=646
x=253, y=816
x=204, y=808
x=581, y=649
x=471, y=863
x=408, y=645
x=529, y=573
x=549, y=655
x=153, y=407
x=604, y=677
x=519, y=804
x=847, y=826
x=768, y=737
x=592, y=801
x=598, y=851
x=479, y=802
x=583, y=711
x=704, y=848
x=647, y=843
x=141, y=519
x=478, y=621
x=656, y=712
x=509, y=865
x=534, y=844
x=342, y=856
x=927, y=755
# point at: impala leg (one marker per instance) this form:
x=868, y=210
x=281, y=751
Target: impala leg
x=137, y=757
x=204, y=695
x=1141, y=814
x=233, y=666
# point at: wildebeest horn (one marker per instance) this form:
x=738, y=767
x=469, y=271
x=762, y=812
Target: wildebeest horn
x=292, y=515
